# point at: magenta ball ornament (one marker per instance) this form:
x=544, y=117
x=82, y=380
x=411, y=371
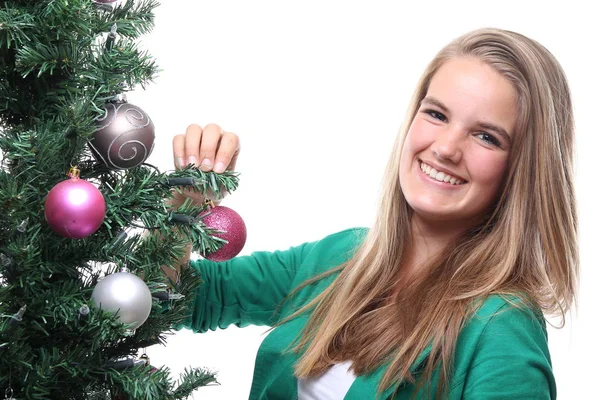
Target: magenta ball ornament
x=225, y=219
x=74, y=208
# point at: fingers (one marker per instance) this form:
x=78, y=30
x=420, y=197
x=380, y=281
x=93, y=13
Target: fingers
x=209, y=148
x=179, y=151
x=229, y=149
x=193, y=136
x=211, y=136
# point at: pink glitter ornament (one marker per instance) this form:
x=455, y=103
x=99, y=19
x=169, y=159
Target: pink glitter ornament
x=74, y=208
x=225, y=219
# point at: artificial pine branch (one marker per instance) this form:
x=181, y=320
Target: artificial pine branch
x=56, y=74
x=192, y=379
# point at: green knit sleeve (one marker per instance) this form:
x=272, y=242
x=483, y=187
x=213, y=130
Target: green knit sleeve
x=512, y=359
x=245, y=290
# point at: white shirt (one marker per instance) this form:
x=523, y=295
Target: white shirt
x=331, y=385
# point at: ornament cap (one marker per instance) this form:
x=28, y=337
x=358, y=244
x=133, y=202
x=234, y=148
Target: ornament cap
x=119, y=98
x=73, y=172
x=208, y=202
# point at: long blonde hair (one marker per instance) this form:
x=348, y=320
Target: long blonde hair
x=526, y=248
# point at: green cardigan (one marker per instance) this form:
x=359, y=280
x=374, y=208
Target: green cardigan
x=502, y=356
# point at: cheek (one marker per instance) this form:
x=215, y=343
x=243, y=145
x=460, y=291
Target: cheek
x=417, y=138
x=490, y=171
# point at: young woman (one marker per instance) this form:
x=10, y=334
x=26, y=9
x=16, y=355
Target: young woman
x=474, y=241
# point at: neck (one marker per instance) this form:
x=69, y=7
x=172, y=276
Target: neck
x=429, y=239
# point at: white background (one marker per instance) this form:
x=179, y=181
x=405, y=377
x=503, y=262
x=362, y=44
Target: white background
x=317, y=91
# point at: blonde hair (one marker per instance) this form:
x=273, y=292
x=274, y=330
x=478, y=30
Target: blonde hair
x=527, y=247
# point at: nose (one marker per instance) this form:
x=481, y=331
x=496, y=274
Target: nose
x=448, y=145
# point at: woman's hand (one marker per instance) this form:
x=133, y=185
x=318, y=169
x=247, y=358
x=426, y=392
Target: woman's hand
x=211, y=149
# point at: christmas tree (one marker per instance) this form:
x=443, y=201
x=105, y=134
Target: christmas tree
x=82, y=286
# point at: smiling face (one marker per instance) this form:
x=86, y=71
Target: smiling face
x=455, y=155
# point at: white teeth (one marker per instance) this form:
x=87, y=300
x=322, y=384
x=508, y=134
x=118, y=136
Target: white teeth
x=439, y=176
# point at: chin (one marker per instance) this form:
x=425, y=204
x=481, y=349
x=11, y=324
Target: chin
x=435, y=215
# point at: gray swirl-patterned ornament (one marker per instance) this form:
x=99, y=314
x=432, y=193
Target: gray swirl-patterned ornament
x=124, y=138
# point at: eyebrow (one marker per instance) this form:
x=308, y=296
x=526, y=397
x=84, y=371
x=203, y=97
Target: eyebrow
x=484, y=125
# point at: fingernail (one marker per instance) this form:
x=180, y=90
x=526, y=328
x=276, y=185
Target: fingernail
x=180, y=162
x=205, y=163
x=192, y=160
x=219, y=167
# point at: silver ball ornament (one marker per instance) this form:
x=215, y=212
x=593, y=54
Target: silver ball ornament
x=125, y=136
x=126, y=295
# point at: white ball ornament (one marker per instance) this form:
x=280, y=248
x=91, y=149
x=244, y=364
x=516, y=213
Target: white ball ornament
x=126, y=295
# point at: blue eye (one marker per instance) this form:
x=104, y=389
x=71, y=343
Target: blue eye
x=490, y=139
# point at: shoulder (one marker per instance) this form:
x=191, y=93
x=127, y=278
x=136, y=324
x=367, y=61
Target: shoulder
x=506, y=333
x=504, y=348
x=502, y=309
x=338, y=247
x=498, y=316
x=501, y=322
